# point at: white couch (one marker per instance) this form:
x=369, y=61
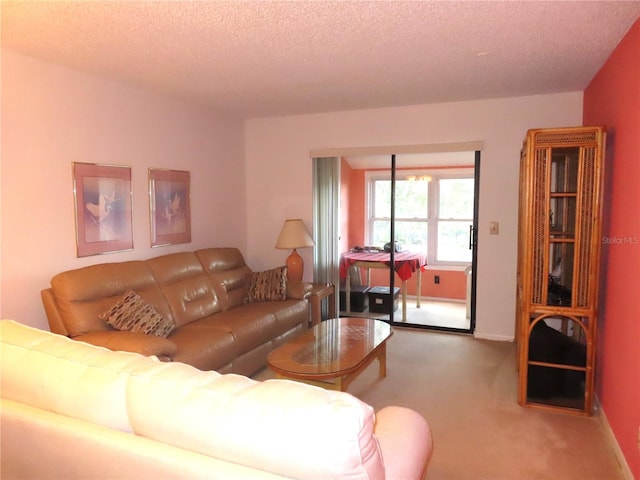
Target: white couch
x=74, y=410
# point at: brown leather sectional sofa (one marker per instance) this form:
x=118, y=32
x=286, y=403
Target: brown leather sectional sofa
x=201, y=291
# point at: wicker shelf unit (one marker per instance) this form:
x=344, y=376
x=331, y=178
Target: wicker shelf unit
x=559, y=238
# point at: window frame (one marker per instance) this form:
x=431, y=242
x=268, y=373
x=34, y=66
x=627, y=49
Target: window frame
x=433, y=200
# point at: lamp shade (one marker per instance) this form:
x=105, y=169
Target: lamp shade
x=294, y=235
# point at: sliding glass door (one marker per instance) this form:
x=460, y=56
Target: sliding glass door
x=425, y=205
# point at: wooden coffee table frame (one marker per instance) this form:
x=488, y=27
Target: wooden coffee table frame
x=338, y=379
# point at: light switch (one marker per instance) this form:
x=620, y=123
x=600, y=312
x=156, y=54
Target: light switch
x=494, y=228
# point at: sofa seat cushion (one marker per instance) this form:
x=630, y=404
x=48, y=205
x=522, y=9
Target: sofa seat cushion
x=250, y=325
x=131, y=342
x=205, y=347
x=282, y=317
x=290, y=313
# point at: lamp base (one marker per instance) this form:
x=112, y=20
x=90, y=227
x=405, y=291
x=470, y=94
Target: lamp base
x=295, y=266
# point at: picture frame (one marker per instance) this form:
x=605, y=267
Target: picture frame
x=169, y=206
x=103, y=199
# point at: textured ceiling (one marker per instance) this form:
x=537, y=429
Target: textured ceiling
x=262, y=58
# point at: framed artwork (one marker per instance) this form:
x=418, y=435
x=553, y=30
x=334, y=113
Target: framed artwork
x=169, y=206
x=103, y=199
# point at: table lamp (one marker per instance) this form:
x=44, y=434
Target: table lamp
x=294, y=235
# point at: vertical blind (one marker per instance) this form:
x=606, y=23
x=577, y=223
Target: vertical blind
x=326, y=235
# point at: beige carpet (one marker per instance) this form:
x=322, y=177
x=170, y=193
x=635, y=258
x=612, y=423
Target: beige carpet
x=467, y=390
x=434, y=313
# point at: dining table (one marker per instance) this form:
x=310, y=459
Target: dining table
x=405, y=264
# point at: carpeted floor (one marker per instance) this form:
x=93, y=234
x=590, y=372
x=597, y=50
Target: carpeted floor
x=467, y=390
x=434, y=313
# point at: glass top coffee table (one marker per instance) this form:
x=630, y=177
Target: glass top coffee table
x=333, y=353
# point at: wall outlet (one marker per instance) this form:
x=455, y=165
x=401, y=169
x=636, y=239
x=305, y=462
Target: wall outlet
x=436, y=279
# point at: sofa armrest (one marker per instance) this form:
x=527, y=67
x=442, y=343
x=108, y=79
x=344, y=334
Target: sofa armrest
x=405, y=440
x=298, y=290
x=51, y=310
x=141, y=343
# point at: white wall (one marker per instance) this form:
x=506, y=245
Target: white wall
x=53, y=116
x=279, y=176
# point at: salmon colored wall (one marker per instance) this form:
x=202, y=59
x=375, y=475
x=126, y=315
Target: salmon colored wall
x=53, y=116
x=345, y=205
x=613, y=99
x=453, y=284
x=357, y=208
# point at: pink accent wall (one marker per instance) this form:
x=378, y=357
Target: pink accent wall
x=346, y=186
x=612, y=99
x=452, y=286
x=53, y=116
x=356, y=209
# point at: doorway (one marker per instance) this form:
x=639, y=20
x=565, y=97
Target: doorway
x=444, y=299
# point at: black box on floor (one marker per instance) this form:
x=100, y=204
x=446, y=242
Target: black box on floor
x=380, y=299
x=359, y=299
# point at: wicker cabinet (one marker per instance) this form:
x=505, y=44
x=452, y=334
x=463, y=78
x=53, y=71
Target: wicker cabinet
x=559, y=238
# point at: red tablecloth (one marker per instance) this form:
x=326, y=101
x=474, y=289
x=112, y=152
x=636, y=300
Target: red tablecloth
x=405, y=262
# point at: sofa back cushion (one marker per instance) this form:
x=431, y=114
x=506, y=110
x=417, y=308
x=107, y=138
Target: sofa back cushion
x=279, y=426
x=83, y=294
x=185, y=285
x=228, y=274
x=65, y=376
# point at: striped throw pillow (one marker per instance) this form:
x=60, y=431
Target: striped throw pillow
x=268, y=285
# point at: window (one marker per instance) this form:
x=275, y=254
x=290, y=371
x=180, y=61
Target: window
x=434, y=212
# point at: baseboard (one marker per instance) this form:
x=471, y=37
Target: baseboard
x=612, y=440
x=495, y=338
x=413, y=298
